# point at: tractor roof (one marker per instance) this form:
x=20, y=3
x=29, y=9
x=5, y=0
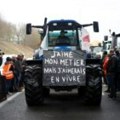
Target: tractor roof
x=63, y=24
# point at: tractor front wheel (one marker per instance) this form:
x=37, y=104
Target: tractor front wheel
x=33, y=85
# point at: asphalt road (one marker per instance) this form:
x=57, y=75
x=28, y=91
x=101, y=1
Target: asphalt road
x=59, y=107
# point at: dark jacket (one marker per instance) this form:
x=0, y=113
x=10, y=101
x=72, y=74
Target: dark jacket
x=1, y=60
x=118, y=65
x=112, y=65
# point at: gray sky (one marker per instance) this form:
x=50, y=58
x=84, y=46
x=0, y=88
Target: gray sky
x=106, y=12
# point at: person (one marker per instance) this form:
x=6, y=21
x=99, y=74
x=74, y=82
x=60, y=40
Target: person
x=118, y=70
x=104, y=65
x=8, y=73
x=15, y=86
x=19, y=71
x=111, y=73
x=1, y=59
x=62, y=38
x=3, y=95
x=23, y=65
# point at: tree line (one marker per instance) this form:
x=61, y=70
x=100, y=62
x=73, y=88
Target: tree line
x=17, y=34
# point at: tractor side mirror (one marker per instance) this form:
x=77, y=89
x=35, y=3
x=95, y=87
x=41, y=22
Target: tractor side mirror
x=28, y=28
x=95, y=26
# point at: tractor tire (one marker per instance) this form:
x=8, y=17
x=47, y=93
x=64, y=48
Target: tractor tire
x=93, y=85
x=33, y=85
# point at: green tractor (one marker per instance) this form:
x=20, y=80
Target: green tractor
x=62, y=63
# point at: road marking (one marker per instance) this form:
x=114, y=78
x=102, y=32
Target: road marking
x=10, y=99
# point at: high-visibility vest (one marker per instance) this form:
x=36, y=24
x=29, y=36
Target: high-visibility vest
x=105, y=64
x=7, y=72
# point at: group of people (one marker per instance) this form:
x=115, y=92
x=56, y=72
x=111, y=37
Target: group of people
x=12, y=75
x=111, y=71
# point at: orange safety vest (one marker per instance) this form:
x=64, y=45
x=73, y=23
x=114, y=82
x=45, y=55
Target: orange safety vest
x=105, y=64
x=7, y=72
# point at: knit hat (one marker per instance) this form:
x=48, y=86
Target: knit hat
x=8, y=59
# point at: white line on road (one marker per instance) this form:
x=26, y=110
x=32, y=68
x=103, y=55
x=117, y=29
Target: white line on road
x=9, y=99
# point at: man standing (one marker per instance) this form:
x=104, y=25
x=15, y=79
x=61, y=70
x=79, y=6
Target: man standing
x=8, y=73
x=3, y=94
x=104, y=66
x=118, y=70
x=19, y=70
x=111, y=73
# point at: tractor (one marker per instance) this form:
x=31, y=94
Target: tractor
x=111, y=41
x=61, y=63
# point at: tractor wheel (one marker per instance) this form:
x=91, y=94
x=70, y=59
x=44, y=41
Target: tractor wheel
x=94, y=85
x=33, y=85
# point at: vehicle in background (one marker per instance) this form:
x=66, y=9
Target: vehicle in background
x=111, y=42
x=96, y=51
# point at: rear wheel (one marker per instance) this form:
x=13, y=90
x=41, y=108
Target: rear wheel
x=33, y=85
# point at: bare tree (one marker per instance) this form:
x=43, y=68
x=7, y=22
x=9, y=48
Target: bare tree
x=6, y=30
x=17, y=34
x=33, y=40
x=20, y=34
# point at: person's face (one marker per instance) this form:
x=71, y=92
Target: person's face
x=111, y=53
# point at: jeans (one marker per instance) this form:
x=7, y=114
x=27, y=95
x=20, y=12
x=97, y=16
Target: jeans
x=2, y=85
x=8, y=85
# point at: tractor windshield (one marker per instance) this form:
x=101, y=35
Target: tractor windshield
x=62, y=37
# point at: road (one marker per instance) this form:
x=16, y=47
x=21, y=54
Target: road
x=59, y=107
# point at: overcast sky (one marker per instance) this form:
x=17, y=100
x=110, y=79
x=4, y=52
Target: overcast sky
x=106, y=12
